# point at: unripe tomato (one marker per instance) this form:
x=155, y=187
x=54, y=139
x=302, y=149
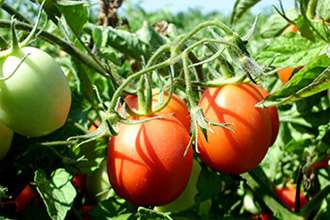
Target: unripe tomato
x=176, y=106
x=36, y=99
x=187, y=198
x=6, y=136
x=98, y=185
x=288, y=197
x=146, y=162
x=286, y=73
x=242, y=148
x=273, y=116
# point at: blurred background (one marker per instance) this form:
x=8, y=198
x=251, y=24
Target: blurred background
x=206, y=6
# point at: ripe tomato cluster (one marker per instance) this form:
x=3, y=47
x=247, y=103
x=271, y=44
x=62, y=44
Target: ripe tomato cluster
x=146, y=161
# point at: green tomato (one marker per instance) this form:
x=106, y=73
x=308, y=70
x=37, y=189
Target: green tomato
x=35, y=99
x=6, y=136
x=98, y=185
x=187, y=199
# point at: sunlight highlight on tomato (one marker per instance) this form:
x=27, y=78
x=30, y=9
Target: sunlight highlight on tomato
x=146, y=162
x=242, y=148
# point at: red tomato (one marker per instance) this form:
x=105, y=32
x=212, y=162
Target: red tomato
x=273, y=116
x=176, y=106
x=79, y=182
x=243, y=148
x=146, y=163
x=286, y=73
x=24, y=198
x=288, y=197
x=85, y=210
x=266, y=216
x=321, y=164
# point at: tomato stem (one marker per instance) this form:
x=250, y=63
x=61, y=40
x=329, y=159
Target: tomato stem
x=14, y=44
x=34, y=30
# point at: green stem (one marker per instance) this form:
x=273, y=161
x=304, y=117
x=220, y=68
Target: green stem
x=187, y=78
x=311, y=8
x=148, y=97
x=13, y=12
x=200, y=27
x=226, y=68
x=14, y=39
x=141, y=96
x=73, y=51
x=316, y=201
x=148, y=93
x=120, y=89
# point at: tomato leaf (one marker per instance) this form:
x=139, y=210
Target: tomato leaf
x=322, y=9
x=123, y=41
x=290, y=50
x=240, y=7
x=75, y=14
x=312, y=79
x=149, y=36
x=208, y=184
x=57, y=192
x=145, y=213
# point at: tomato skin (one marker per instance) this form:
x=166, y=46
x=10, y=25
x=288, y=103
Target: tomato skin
x=273, y=116
x=24, y=198
x=321, y=164
x=266, y=216
x=176, y=106
x=288, y=197
x=187, y=197
x=85, y=210
x=6, y=136
x=243, y=148
x=36, y=99
x=146, y=163
x=286, y=73
x=79, y=182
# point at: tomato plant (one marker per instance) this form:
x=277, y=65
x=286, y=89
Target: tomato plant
x=6, y=136
x=214, y=149
x=35, y=99
x=250, y=133
x=148, y=156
